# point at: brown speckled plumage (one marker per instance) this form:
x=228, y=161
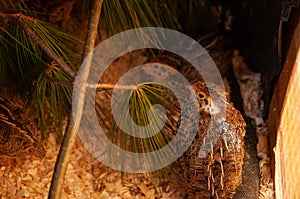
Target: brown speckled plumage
x=16, y=139
x=218, y=172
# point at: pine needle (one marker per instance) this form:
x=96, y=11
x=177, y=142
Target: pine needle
x=140, y=102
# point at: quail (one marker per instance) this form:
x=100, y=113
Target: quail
x=16, y=139
x=217, y=172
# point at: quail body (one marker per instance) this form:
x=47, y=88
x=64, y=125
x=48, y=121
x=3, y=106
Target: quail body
x=212, y=165
x=16, y=139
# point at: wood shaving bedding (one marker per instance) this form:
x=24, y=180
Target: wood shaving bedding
x=30, y=177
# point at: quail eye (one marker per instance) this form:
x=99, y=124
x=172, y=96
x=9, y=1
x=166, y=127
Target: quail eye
x=201, y=96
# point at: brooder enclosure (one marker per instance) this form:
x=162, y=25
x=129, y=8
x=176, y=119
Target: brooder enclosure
x=234, y=130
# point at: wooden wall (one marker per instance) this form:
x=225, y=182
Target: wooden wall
x=284, y=117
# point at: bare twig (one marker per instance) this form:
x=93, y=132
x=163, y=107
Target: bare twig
x=112, y=86
x=57, y=81
x=71, y=133
x=97, y=86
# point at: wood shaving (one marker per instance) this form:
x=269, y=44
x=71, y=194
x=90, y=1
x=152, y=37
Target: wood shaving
x=30, y=177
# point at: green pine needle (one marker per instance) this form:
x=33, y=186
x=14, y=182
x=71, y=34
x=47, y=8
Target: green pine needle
x=140, y=102
x=26, y=63
x=130, y=14
x=53, y=102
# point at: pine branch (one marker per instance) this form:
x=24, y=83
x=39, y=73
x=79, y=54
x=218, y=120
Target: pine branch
x=46, y=49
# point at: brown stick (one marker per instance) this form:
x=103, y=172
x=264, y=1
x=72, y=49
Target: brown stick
x=71, y=133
